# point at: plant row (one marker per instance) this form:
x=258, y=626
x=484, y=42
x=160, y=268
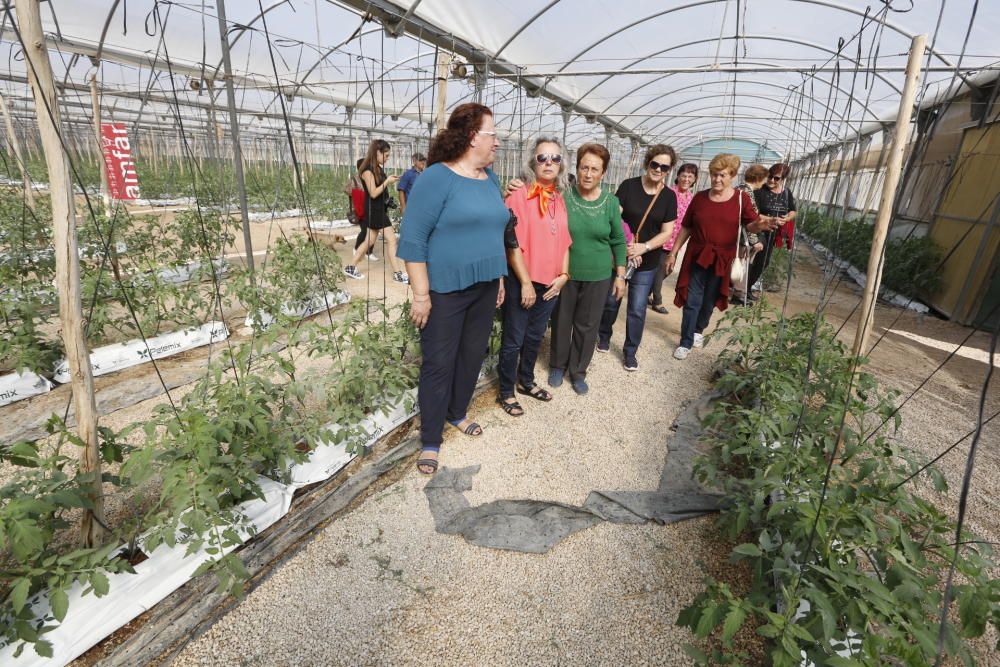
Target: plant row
x=847, y=563
x=911, y=264
x=187, y=469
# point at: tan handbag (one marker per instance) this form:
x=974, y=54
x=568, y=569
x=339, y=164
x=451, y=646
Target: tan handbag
x=740, y=269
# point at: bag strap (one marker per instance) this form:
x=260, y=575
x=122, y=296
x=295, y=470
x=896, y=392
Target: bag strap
x=739, y=220
x=645, y=215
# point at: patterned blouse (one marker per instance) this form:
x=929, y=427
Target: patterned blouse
x=683, y=199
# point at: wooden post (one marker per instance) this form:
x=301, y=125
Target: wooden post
x=893, y=169
x=441, y=102
x=36, y=55
x=15, y=147
x=95, y=102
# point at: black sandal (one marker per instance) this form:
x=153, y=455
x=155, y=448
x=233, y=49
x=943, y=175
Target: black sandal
x=472, y=429
x=513, y=409
x=428, y=463
x=535, y=392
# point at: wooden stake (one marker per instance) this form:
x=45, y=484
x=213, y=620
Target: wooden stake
x=96, y=104
x=36, y=55
x=894, y=167
x=15, y=147
x=441, y=102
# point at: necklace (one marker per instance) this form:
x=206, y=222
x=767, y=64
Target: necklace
x=464, y=170
x=595, y=205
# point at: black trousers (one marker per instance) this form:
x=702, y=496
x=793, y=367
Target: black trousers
x=454, y=343
x=362, y=235
x=575, y=324
x=761, y=260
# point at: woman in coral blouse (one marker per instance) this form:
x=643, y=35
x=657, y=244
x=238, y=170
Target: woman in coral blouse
x=541, y=269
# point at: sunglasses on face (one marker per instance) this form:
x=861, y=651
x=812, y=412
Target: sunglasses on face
x=543, y=158
x=774, y=178
x=656, y=166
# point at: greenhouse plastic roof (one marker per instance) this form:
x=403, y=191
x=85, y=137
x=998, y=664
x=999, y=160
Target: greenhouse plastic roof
x=680, y=72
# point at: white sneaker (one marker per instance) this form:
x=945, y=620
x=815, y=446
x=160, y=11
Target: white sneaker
x=681, y=353
x=699, y=340
x=401, y=277
x=351, y=271
x=372, y=257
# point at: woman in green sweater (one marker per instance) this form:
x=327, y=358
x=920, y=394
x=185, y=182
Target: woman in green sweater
x=596, y=265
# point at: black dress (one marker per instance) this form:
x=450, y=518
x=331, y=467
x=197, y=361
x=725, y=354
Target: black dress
x=375, y=213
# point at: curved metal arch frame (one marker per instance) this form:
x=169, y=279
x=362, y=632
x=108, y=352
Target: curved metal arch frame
x=776, y=38
x=732, y=131
x=714, y=126
x=856, y=127
x=784, y=132
x=868, y=111
x=698, y=3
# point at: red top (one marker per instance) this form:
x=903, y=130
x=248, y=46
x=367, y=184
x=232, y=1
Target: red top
x=712, y=244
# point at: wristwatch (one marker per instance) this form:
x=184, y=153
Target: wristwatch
x=646, y=246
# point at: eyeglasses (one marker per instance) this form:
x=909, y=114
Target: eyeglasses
x=653, y=164
x=487, y=133
x=554, y=158
x=774, y=178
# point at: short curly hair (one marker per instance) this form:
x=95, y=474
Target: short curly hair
x=724, y=162
x=597, y=150
x=452, y=142
x=659, y=149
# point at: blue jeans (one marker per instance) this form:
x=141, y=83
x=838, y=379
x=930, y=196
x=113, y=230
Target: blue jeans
x=523, y=330
x=639, y=288
x=703, y=288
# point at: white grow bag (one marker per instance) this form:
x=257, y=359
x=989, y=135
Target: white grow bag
x=116, y=357
x=19, y=386
x=316, y=304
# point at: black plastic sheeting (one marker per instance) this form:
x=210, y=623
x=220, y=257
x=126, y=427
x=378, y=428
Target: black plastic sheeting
x=535, y=526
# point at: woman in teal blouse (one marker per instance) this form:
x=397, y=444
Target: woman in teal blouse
x=452, y=242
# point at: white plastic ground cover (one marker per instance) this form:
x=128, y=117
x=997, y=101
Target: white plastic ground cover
x=84, y=252
x=181, y=274
x=115, y=357
x=329, y=457
x=166, y=569
x=316, y=304
x=263, y=216
x=328, y=225
x=19, y=386
x=176, y=201
x=861, y=279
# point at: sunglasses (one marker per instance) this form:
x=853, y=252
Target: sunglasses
x=774, y=178
x=543, y=158
x=653, y=164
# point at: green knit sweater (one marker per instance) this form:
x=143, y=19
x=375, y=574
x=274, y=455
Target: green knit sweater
x=596, y=230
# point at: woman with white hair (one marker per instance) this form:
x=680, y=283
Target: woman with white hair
x=541, y=269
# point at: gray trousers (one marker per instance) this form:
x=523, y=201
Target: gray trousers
x=575, y=324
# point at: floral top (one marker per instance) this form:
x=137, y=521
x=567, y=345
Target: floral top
x=683, y=199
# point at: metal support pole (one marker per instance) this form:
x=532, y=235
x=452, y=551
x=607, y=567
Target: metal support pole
x=893, y=170
x=234, y=131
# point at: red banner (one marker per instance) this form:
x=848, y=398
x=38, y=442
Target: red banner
x=123, y=181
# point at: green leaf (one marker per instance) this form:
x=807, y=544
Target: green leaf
x=19, y=593
x=747, y=550
x=60, y=603
x=696, y=654
x=43, y=648
x=974, y=612
x=734, y=621
x=100, y=583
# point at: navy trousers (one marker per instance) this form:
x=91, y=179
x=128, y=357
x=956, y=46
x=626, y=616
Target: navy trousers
x=454, y=343
x=703, y=288
x=523, y=329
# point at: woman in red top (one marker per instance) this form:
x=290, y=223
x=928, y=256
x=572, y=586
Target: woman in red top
x=711, y=224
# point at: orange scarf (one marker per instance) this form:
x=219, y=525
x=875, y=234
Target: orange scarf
x=545, y=193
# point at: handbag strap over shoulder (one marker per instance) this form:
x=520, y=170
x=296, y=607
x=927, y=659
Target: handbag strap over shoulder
x=739, y=220
x=648, y=209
